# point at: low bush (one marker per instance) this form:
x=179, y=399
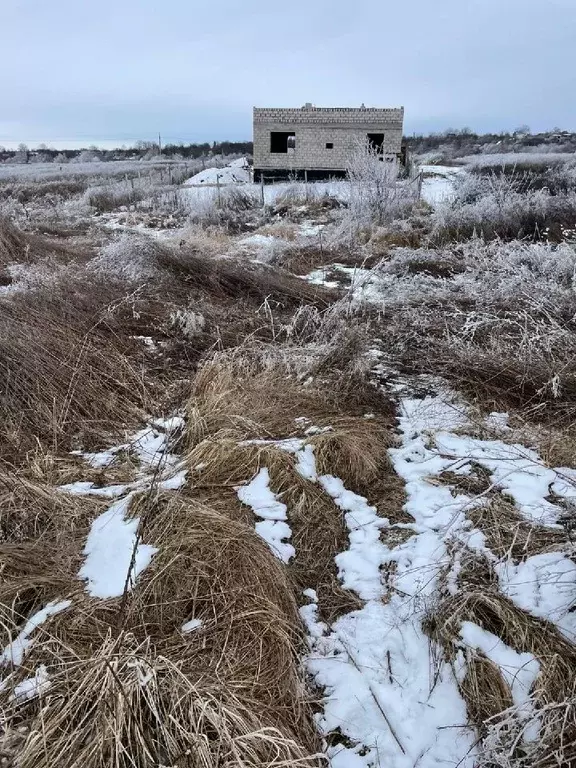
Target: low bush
x=233, y=209
x=111, y=197
x=504, y=207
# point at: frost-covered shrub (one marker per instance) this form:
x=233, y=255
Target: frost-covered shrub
x=497, y=316
x=130, y=256
x=188, y=322
x=475, y=273
x=112, y=196
x=40, y=275
x=500, y=206
x=520, y=160
x=231, y=208
x=556, y=177
x=376, y=194
x=374, y=198
x=299, y=197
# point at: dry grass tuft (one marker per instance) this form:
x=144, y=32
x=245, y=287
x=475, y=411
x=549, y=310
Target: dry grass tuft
x=18, y=247
x=126, y=705
x=253, y=395
x=484, y=692
x=31, y=510
x=355, y=450
x=222, y=461
x=241, y=279
x=303, y=259
x=318, y=527
x=226, y=693
x=242, y=395
x=13, y=243
x=319, y=532
x=63, y=380
x=475, y=483
x=32, y=574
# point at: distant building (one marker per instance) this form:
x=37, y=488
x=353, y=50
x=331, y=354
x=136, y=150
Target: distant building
x=317, y=141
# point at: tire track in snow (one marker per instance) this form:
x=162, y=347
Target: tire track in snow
x=383, y=695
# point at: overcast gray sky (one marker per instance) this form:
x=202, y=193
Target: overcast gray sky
x=117, y=70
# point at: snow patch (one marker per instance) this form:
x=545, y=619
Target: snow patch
x=86, y=488
x=236, y=172
x=381, y=691
x=545, y=586
x=114, y=556
x=34, y=686
x=272, y=528
x=14, y=652
x=516, y=470
x=191, y=626
x=359, y=566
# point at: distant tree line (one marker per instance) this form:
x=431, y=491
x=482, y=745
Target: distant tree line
x=142, y=150
x=464, y=141
x=453, y=142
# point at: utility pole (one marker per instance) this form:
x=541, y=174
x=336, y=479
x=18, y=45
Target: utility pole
x=159, y=144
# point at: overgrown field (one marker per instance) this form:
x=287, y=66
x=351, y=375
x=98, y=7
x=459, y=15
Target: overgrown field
x=288, y=481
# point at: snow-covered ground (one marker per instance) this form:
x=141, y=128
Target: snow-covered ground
x=384, y=689
x=31, y=172
x=236, y=172
x=438, y=183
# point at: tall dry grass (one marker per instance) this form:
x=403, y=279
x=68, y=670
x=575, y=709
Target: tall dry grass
x=63, y=381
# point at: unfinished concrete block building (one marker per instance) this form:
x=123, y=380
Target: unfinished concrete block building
x=316, y=142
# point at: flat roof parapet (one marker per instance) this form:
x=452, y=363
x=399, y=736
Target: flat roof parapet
x=322, y=114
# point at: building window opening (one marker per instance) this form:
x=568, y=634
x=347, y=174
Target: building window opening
x=376, y=142
x=329, y=145
x=282, y=141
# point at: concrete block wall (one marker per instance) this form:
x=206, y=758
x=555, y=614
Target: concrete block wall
x=315, y=127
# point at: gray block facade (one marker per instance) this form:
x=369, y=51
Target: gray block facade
x=319, y=139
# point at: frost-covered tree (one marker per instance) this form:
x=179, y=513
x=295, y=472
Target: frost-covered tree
x=22, y=154
x=87, y=156
x=376, y=195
